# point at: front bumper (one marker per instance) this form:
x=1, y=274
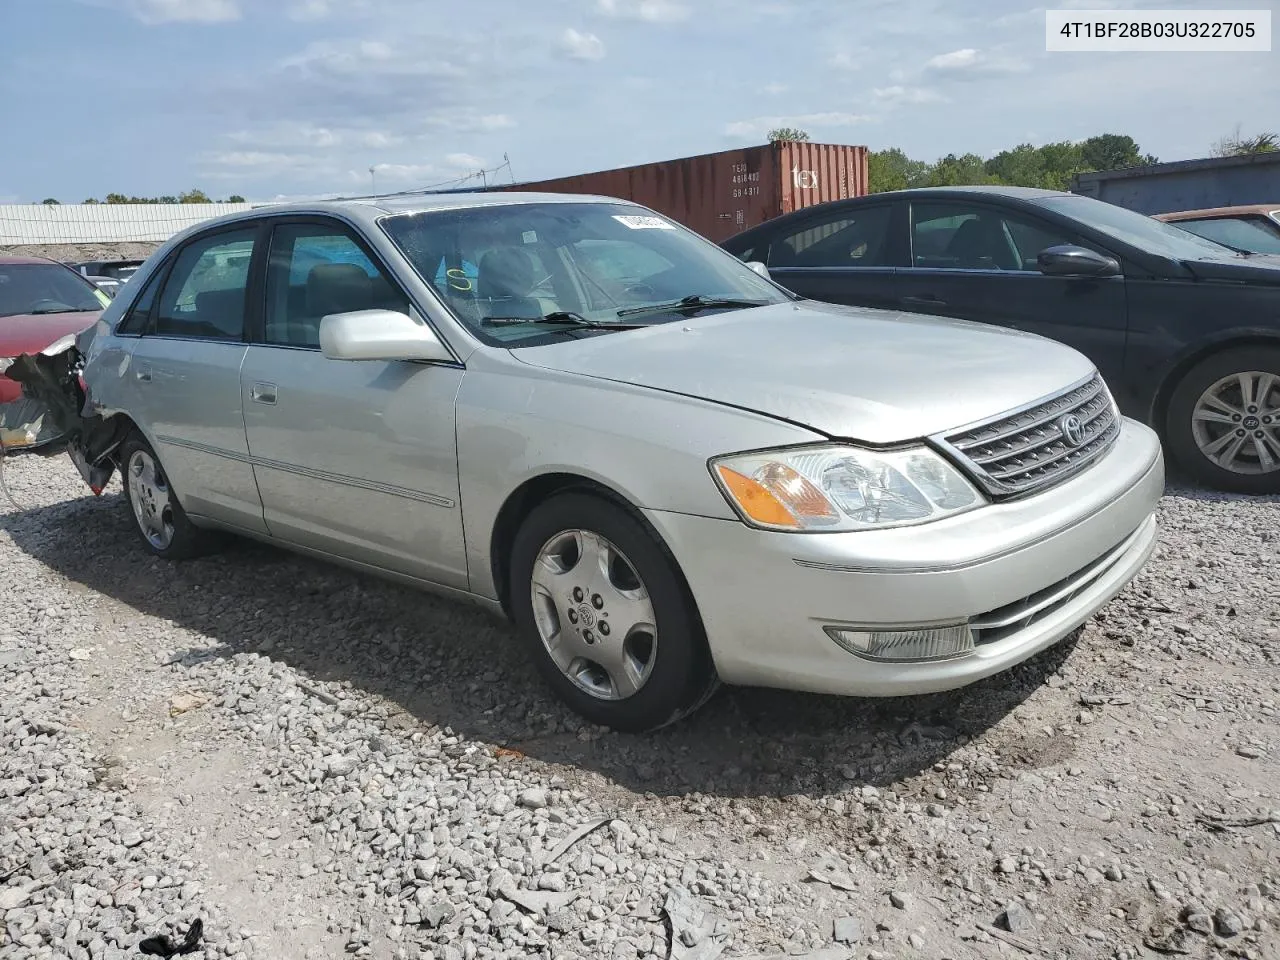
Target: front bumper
x=1025, y=573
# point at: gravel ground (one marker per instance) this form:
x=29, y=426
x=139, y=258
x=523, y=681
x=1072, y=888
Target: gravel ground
x=78, y=252
x=310, y=762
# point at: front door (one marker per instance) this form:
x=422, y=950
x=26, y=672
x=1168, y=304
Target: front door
x=978, y=262
x=847, y=255
x=185, y=377
x=353, y=458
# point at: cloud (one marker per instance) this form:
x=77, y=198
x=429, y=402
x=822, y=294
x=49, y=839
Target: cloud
x=651, y=11
x=582, y=46
x=464, y=161
x=310, y=9
x=759, y=126
x=972, y=62
x=897, y=95
x=774, y=89
x=849, y=60
x=178, y=11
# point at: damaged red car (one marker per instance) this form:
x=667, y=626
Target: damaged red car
x=41, y=304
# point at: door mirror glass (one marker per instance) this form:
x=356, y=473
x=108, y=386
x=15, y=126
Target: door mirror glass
x=1068, y=260
x=379, y=335
x=759, y=268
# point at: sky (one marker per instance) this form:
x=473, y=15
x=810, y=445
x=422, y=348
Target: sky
x=294, y=98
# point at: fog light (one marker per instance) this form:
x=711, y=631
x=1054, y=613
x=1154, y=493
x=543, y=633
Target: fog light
x=905, y=646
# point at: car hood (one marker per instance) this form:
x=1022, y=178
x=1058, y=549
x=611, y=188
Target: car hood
x=1258, y=268
x=30, y=333
x=859, y=374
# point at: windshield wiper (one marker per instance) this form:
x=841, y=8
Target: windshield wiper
x=46, y=312
x=694, y=302
x=564, y=318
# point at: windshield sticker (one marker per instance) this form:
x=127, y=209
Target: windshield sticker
x=530, y=236
x=644, y=223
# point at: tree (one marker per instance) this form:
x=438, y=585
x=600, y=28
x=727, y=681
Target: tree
x=963, y=171
x=787, y=134
x=1237, y=145
x=117, y=198
x=194, y=196
x=235, y=198
x=1113, y=151
x=91, y=200
x=50, y=202
x=893, y=170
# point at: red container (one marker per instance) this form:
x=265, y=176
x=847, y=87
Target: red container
x=720, y=194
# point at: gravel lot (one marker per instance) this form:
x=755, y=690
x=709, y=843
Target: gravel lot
x=311, y=762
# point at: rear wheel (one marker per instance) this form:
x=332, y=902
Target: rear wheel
x=158, y=516
x=1224, y=420
x=606, y=615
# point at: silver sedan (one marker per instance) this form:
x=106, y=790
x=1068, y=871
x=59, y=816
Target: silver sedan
x=666, y=469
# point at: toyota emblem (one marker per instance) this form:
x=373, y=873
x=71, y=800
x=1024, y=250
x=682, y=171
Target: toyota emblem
x=1072, y=430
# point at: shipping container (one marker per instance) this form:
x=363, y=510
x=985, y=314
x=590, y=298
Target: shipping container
x=720, y=194
x=1187, y=184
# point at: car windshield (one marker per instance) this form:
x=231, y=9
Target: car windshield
x=512, y=272
x=46, y=288
x=1251, y=235
x=1136, y=229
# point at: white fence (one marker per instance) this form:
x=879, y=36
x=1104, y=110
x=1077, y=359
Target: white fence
x=38, y=223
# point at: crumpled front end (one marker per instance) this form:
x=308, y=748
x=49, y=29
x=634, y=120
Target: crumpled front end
x=49, y=417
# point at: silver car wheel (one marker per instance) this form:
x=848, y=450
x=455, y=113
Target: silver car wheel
x=594, y=615
x=149, y=493
x=1236, y=423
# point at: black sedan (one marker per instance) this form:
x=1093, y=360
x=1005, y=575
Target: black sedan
x=1185, y=331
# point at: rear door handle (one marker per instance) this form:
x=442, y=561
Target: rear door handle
x=930, y=301
x=143, y=372
x=263, y=393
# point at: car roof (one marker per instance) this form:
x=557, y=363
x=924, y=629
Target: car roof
x=984, y=190
x=427, y=202
x=1246, y=209
x=8, y=259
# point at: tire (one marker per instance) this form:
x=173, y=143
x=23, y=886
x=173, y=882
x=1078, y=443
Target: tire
x=1208, y=409
x=158, y=518
x=654, y=677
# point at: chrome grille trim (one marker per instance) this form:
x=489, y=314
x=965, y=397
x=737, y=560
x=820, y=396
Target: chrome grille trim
x=1026, y=450
x=994, y=625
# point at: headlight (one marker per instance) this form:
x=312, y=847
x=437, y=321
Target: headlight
x=838, y=488
x=5, y=363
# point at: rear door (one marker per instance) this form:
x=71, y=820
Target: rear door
x=977, y=261
x=357, y=459
x=185, y=372
x=847, y=255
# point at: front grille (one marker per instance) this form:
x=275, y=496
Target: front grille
x=1028, y=450
x=995, y=625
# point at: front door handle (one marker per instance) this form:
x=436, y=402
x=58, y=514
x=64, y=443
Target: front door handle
x=263, y=393
x=929, y=301
x=143, y=372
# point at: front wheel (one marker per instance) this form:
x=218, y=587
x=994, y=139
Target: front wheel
x=606, y=615
x=1224, y=420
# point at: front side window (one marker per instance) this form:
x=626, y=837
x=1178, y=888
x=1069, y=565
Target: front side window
x=315, y=270
x=530, y=273
x=204, y=296
x=850, y=239
x=1250, y=235
x=46, y=288
x=963, y=236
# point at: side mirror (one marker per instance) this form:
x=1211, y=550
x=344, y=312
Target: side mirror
x=1068, y=260
x=757, y=267
x=379, y=335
